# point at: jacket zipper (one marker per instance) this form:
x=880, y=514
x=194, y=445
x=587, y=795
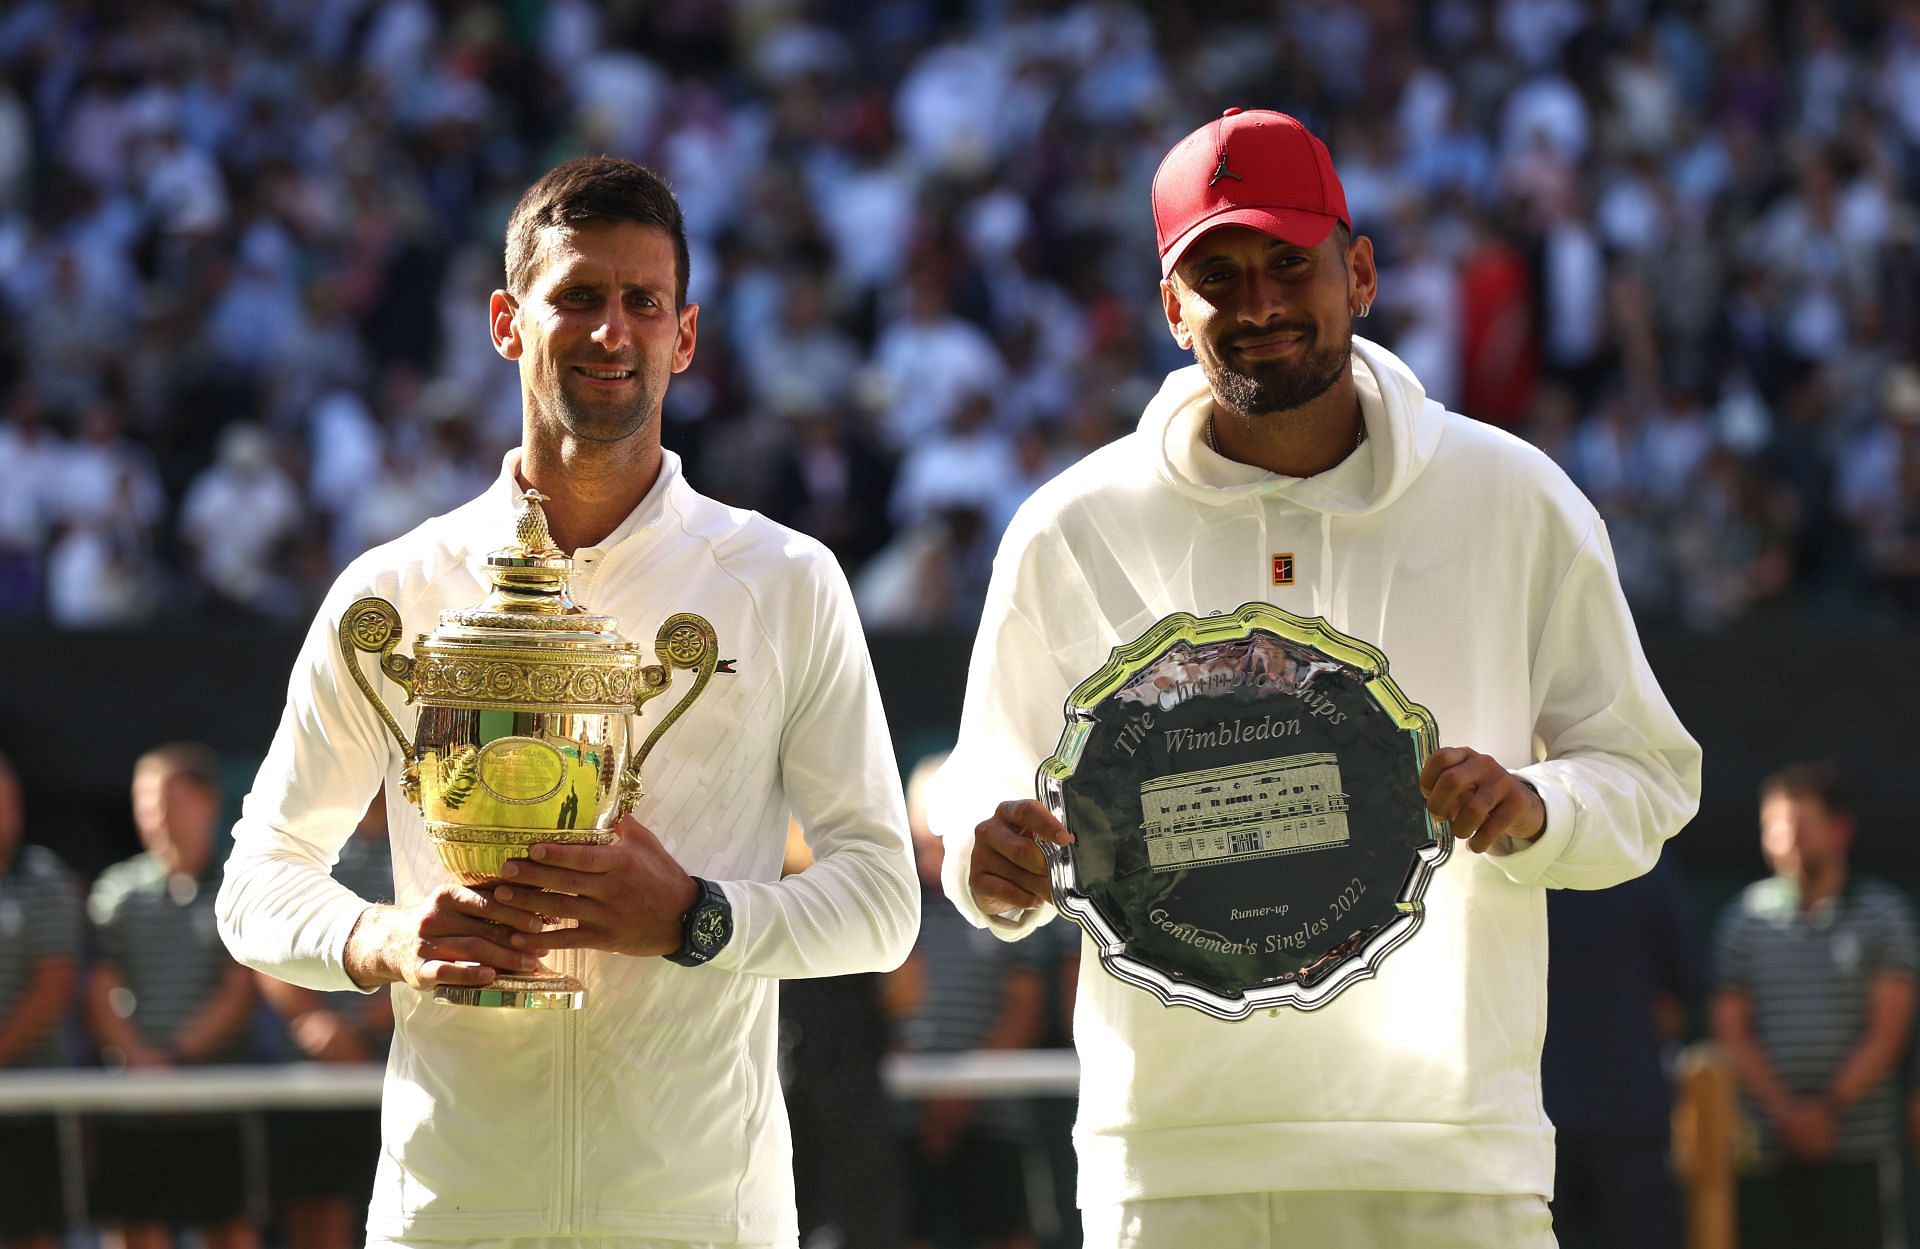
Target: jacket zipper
x=569, y=1146
x=569, y=1025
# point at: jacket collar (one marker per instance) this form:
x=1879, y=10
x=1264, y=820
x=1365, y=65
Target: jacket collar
x=501, y=504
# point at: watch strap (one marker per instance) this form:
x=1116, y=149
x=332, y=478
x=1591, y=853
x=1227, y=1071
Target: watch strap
x=706, y=927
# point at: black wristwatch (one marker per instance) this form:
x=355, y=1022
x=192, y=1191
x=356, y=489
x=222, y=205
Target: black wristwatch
x=706, y=928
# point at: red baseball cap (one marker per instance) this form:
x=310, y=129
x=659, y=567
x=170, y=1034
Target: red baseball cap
x=1248, y=168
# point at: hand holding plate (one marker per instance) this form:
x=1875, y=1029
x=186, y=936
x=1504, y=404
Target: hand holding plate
x=1481, y=801
x=1009, y=870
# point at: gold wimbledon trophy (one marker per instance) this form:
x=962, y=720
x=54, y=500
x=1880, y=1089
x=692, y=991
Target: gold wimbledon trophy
x=522, y=735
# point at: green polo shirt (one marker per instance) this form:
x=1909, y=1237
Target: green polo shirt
x=161, y=933
x=1807, y=974
x=39, y=920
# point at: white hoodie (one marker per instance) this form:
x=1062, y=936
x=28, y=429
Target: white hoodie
x=655, y=1111
x=1486, y=578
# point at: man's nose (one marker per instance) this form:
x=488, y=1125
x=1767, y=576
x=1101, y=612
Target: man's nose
x=616, y=329
x=1263, y=299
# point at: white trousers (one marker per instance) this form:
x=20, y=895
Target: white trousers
x=1323, y=1221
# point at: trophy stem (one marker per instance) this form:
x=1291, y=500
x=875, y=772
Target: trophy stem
x=551, y=991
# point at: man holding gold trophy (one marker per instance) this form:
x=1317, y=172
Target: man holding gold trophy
x=588, y=934
x=1313, y=635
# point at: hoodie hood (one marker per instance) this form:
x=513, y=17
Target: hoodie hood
x=1403, y=430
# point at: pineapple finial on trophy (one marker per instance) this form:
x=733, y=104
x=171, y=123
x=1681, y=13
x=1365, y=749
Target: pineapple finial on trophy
x=529, y=575
x=530, y=527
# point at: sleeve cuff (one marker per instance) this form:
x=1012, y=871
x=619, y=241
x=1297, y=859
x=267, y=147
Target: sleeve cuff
x=953, y=880
x=1015, y=926
x=346, y=921
x=1525, y=862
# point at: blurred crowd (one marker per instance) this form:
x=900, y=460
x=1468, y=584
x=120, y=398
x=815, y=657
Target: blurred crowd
x=248, y=246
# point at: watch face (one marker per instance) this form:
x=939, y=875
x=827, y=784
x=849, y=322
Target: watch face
x=710, y=929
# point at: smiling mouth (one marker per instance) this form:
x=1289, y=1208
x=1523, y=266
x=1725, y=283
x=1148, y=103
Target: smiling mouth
x=604, y=375
x=1268, y=344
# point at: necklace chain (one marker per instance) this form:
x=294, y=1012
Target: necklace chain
x=1214, y=446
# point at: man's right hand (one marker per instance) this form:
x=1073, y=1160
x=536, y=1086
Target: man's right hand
x=1009, y=870
x=1808, y=1129
x=457, y=936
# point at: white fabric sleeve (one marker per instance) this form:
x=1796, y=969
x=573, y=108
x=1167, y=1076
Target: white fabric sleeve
x=1619, y=774
x=280, y=909
x=857, y=907
x=1012, y=717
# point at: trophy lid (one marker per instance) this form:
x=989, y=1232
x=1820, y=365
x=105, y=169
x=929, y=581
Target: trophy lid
x=531, y=578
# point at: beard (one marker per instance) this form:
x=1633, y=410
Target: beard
x=1274, y=385
x=606, y=419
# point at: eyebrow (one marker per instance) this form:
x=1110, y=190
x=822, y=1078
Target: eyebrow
x=567, y=282
x=1212, y=257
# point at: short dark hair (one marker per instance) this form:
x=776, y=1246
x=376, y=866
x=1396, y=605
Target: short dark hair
x=1819, y=780
x=594, y=188
x=192, y=760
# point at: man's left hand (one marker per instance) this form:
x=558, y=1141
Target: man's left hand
x=1480, y=800
x=626, y=897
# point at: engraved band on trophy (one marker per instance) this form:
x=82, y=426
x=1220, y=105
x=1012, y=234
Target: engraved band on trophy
x=1244, y=794
x=523, y=727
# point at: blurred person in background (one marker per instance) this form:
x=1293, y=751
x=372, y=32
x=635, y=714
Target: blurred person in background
x=1624, y=975
x=654, y=1115
x=164, y=993
x=832, y=479
x=235, y=521
x=1883, y=501
x=32, y=452
x=1499, y=342
x=932, y=573
x=968, y=1158
x=968, y=462
x=320, y=1162
x=932, y=360
x=1292, y=432
x=834, y=1034
x=1732, y=541
x=40, y=929
x=107, y=502
x=1814, y=998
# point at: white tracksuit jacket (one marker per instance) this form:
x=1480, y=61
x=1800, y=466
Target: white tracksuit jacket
x=655, y=1112
x=1486, y=578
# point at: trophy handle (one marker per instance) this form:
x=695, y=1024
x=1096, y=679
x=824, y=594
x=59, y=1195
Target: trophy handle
x=373, y=625
x=685, y=641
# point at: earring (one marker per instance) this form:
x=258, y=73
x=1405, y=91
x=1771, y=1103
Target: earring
x=1364, y=309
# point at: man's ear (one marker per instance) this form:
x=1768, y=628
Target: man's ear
x=503, y=323
x=1176, y=325
x=688, y=334
x=1364, y=277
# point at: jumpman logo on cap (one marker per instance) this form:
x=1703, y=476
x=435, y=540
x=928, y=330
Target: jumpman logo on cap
x=1221, y=170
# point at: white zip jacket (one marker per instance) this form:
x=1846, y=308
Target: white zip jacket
x=1486, y=578
x=655, y=1112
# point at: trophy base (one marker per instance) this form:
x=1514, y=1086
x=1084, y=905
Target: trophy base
x=517, y=993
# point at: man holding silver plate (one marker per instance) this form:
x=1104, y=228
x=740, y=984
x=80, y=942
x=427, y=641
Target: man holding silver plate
x=588, y=934
x=1276, y=658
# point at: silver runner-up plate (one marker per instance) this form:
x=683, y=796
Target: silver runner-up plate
x=1244, y=795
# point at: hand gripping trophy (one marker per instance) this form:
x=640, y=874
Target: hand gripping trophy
x=522, y=734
